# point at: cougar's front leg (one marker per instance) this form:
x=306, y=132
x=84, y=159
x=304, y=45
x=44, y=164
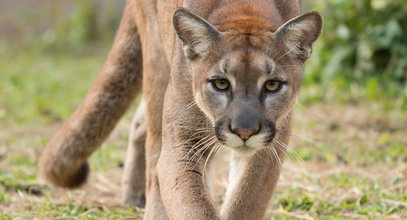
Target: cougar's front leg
x=182, y=160
x=134, y=174
x=251, y=184
x=155, y=81
x=182, y=184
x=253, y=179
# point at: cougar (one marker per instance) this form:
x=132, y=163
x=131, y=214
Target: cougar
x=214, y=74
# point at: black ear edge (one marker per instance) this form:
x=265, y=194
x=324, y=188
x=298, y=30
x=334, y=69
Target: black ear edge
x=178, y=13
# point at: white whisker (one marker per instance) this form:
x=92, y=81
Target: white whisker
x=289, y=149
x=276, y=155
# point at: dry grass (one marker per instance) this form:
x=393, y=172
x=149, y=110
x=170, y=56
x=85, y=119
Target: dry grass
x=348, y=170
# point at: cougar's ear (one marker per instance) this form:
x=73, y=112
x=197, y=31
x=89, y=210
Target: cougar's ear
x=195, y=32
x=299, y=33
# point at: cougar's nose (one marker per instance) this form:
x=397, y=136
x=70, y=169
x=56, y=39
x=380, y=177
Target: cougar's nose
x=245, y=117
x=245, y=133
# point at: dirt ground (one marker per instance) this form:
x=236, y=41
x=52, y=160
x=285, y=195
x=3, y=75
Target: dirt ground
x=348, y=167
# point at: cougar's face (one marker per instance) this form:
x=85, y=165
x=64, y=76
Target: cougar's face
x=246, y=80
x=246, y=94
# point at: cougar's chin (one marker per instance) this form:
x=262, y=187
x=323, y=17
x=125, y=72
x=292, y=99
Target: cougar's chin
x=244, y=148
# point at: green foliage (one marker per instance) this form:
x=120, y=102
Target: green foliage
x=304, y=203
x=80, y=27
x=364, y=45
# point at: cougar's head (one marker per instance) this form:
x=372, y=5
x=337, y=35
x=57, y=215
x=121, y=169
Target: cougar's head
x=246, y=83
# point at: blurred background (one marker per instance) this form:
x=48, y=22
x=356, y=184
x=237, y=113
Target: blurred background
x=350, y=134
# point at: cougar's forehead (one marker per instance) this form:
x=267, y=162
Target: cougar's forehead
x=247, y=65
x=239, y=60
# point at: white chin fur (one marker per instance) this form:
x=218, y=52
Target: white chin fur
x=256, y=141
x=252, y=145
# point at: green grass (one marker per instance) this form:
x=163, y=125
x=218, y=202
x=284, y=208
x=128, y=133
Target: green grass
x=353, y=149
x=71, y=211
x=39, y=86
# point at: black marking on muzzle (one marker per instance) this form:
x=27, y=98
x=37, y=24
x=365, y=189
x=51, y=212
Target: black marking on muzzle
x=271, y=131
x=218, y=131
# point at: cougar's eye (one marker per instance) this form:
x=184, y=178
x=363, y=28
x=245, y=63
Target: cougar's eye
x=220, y=84
x=273, y=85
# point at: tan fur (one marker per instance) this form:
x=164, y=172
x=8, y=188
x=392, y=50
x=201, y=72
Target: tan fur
x=133, y=180
x=185, y=120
